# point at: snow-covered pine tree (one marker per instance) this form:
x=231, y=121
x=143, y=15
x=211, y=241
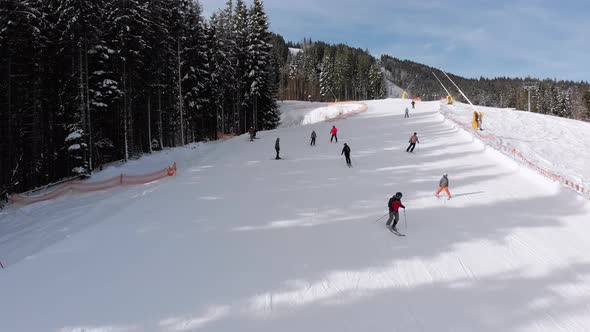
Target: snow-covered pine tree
x=311, y=70
x=177, y=39
x=103, y=90
x=362, y=65
x=295, y=65
x=129, y=21
x=554, y=99
x=544, y=98
x=214, y=86
x=196, y=75
x=565, y=109
x=80, y=27
x=295, y=75
x=341, y=75
x=280, y=52
x=225, y=58
x=162, y=66
x=240, y=34
x=220, y=67
x=265, y=113
x=327, y=76
x=376, y=81
x=536, y=99
x=22, y=43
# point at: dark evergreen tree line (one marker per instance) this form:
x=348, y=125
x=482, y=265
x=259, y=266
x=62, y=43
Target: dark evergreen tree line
x=87, y=82
x=317, y=71
x=561, y=98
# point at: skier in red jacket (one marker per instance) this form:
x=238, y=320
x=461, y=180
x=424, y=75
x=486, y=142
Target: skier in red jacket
x=394, y=204
x=334, y=131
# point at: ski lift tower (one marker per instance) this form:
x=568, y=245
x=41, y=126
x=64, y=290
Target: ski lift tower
x=529, y=86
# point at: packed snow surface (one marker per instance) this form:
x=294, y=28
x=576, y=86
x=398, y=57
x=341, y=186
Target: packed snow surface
x=558, y=145
x=330, y=112
x=294, y=51
x=294, y=112
x=238, y=241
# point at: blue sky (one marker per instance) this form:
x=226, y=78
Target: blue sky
x=538, y=38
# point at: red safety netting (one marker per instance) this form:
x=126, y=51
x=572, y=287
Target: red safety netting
x=493, y=141
x=85, y=187
x=362, y=108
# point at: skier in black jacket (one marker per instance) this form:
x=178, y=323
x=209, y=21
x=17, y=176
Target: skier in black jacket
x=346, y=153
x=277, y=148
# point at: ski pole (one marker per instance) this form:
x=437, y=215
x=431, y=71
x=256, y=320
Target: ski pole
x=382, y=217
x=405, y=219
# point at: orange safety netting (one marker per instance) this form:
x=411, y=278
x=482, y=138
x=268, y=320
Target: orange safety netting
x=223, y=136
x=362, y=108
x=494, y=142
x=85, y=187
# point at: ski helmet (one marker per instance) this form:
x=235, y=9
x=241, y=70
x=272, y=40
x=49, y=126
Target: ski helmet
x=398, y=194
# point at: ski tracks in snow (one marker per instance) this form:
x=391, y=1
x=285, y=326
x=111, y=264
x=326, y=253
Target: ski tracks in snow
x=308, y=256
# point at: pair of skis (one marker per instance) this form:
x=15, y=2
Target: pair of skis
x=437, y=196
x=395, y=232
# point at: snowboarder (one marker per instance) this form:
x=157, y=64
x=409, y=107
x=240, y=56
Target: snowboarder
x=313, y=136
x=277, y=148
x=252, y=133
x=413, y=140
x=413, y=104
x=334, y=131
x=407, y=113
x=394, y=204
x=346, y=153
x=444, y=185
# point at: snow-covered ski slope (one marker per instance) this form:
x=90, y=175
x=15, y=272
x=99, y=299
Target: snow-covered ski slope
x=556, y=145
x=293, y=113
x=238, y=241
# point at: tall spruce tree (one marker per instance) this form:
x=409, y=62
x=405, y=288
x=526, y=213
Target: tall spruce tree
x=327, y=76
x=80, y=25
x=376, y=84
x=587, y=104
x=259, y=68
x=22, y=44
x=224, y=60
x=162, y=67
x=196, y=74
x=240, y=34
